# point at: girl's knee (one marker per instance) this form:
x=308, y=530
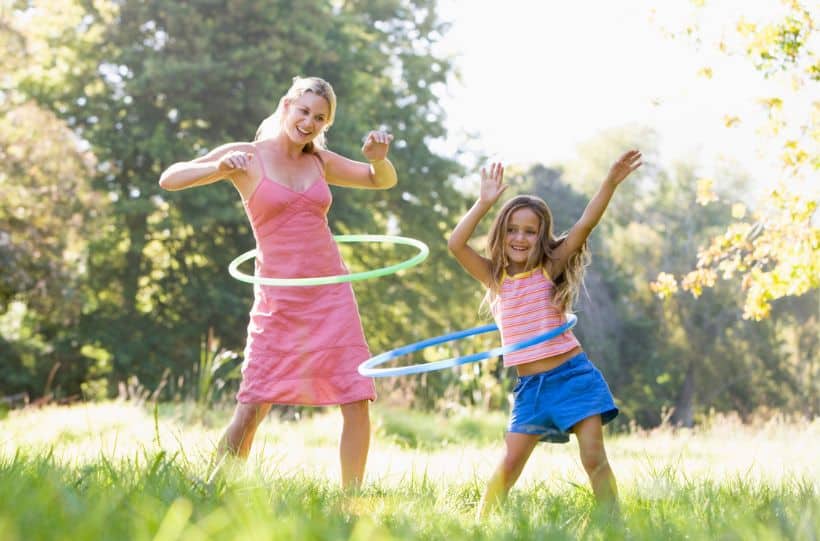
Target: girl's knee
x=594, y=460
x=513, y=462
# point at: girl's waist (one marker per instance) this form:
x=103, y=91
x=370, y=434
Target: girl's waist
x=547, y=363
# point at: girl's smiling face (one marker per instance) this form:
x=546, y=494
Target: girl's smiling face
x=521, y=238
x=306, y=117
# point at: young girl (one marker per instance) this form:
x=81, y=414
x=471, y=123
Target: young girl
x=532, y=279
x=304, y=343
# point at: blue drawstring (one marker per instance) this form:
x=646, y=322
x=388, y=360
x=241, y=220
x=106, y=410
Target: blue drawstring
x=538, y=391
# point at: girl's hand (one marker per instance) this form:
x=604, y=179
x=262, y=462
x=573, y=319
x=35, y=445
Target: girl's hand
x=376, y=145
x=624, y=166
x=492, y=184
x=235, y=160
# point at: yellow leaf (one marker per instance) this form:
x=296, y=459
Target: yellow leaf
x=738, y=211
x=665, y=285
x=705, y=194
x=774, y=103
x=744, y=27
x=730, y=120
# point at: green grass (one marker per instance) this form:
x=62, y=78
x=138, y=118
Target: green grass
x=115, y=471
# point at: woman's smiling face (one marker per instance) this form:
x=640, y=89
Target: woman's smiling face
x=306, y=117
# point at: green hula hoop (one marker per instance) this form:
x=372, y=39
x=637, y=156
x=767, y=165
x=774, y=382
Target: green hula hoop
x=424, y=251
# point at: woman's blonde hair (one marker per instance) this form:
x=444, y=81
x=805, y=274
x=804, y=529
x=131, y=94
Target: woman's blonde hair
x=568, y=284
x=272, y=125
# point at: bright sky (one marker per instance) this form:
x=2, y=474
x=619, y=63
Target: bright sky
x=540, y=76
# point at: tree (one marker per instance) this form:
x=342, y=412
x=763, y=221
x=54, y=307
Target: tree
x=678, y=359
x=773, y=251
x=48, y=215
x=147, y=84
x=44, y=223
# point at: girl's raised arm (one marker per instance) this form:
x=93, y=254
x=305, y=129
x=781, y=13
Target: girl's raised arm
x=379, y=174
x=579, y=232
x=478, y=266
x=226, y=161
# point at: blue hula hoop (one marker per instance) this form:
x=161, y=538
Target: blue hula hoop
x=369, y=367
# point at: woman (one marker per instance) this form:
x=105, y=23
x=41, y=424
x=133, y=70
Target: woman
x=304, y=343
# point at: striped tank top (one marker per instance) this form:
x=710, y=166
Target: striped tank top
x=524, y=308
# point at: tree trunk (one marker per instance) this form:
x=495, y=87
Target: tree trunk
x=685, y=403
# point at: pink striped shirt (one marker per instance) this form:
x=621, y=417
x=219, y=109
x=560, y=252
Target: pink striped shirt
x=524, y=308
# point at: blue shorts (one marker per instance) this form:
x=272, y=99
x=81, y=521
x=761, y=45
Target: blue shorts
x=550, y=403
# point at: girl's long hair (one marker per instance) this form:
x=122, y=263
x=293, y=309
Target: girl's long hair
x=272, y=125
x=568, y=284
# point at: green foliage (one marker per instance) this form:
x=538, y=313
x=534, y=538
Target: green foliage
x=211, y=373
x=773, y=253
x=43, y=215
x=155, y=83
x=48, y=216
x=778, y=254
x=110, y=281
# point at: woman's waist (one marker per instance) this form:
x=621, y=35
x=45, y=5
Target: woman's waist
x=292, y=234
x=278, y=250
x=299, y=266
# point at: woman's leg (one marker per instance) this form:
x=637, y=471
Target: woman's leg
x=355, y=442
x=593, y=457
x=519, y=449
x=238, y=437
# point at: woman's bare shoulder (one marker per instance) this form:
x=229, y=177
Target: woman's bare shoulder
x=223, y=149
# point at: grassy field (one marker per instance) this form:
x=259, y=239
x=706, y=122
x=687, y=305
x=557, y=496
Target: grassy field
x=121, y=471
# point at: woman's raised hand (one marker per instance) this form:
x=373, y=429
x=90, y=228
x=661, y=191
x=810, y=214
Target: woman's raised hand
x=376, y=145
x=492, y=183
x=235, y=160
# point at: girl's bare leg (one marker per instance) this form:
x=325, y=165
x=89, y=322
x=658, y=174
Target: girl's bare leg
x=519, y=449
x=593, y=457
